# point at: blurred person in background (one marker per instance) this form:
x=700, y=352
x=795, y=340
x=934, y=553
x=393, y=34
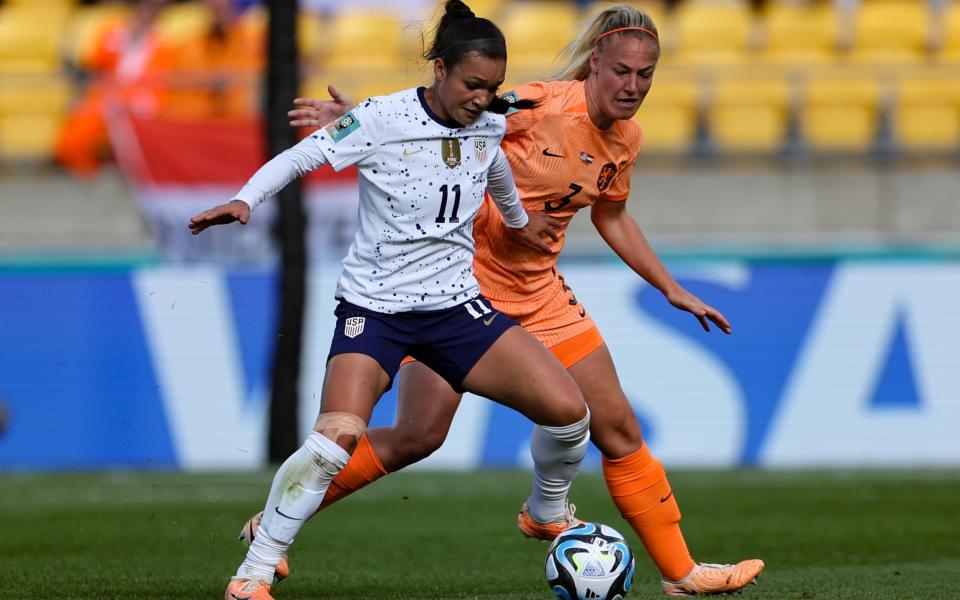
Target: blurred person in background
x=125, y=60
x=215, y=73
x=575, y=150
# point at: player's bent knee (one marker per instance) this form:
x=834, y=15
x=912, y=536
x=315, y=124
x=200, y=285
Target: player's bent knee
x=415, y=447
x=577, y=431
x=343, y=428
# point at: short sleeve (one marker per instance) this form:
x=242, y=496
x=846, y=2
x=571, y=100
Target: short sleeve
x=351, y=138
x=614, y=179
x=519, y=120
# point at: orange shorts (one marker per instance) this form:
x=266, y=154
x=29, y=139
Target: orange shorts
x=560, y=323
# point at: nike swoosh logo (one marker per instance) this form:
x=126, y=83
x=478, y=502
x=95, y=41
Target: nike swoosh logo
x=236, y=597
x=490, y=320
x=547, y=152
x=667, y=497
x=407, y=153
x=277, y=508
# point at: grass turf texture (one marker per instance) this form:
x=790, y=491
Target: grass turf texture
x=419, y=535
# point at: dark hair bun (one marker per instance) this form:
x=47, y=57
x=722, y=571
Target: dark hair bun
x=457, y=10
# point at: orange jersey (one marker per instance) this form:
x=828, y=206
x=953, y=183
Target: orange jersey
x=561, y=163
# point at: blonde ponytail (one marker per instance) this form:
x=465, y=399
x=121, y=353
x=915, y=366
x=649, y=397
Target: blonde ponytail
x=576, y=55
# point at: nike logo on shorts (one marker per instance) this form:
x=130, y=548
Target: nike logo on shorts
x=667, y=497
x=490, y=320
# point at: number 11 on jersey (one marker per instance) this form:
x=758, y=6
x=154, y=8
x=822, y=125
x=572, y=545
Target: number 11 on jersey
x=443, y=204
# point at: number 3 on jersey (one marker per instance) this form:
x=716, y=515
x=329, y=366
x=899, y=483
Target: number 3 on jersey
x=550, y=206
x=443, y=205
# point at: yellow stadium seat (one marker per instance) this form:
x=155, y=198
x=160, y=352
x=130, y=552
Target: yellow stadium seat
x=32, y=107
x=949, y=25
x=799, y=33
x=34, y=95
x=926, y=115
x=749, y=115
x=85, y=26
x=180, y=23
x=45, y=4
x=28, y=137
x=536, y=32
x=366, y=41
x=312, y=37
x=359, y=86
x=840, y=114
x=489, y=9
x=712, y=32
x=890, y=31
x=30, y=38
x=668, y=115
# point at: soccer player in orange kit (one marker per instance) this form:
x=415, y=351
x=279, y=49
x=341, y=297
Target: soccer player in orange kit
x=575, y=150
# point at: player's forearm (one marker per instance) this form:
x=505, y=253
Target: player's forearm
x=280, y=171
x=625, y=237
x=503, y=190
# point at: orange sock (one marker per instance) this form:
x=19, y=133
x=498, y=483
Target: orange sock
x=639, y=488
x=363, y=469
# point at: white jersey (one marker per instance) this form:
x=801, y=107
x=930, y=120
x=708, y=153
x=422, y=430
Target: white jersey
x=422, y=181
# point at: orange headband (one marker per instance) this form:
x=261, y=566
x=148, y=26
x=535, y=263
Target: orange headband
x=619, y=29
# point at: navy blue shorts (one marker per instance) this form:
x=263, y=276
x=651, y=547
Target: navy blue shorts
x=449, y=341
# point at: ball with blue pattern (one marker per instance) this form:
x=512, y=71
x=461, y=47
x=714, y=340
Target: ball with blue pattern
x=590, y=562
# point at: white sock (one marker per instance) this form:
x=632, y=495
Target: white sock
x=557, y=455
x=296, y=493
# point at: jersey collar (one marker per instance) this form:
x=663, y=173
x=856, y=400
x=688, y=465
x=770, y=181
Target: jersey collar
x=426, y=107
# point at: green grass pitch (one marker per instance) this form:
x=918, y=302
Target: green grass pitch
x=858, y=535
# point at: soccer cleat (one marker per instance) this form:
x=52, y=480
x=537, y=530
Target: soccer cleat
x=248, y=589
x=546, y=531
x=247, y=534
x=709, y=579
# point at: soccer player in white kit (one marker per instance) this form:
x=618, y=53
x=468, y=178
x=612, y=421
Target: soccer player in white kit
x=425, y=158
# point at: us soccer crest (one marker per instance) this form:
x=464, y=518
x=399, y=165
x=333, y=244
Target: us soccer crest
x=353, y=326
x=450, y=151
x=480, y=149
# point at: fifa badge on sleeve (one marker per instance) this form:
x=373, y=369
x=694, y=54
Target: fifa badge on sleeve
x=343, y=126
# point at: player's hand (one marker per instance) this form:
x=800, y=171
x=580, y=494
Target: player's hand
x=545, y=226
x=538, y=227
x=684, y=300
x=235, y=210
x=317, y=113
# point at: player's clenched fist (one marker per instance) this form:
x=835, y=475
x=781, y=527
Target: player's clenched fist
x=235, y=210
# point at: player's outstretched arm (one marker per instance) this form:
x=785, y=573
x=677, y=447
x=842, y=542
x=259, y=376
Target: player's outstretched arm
x=235, y=210
x=311, y=112
x=622, y=233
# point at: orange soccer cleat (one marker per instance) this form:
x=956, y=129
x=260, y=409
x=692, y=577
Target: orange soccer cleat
x=248, y=589
x=247, y=534
x=708, y=579
x=546, y=531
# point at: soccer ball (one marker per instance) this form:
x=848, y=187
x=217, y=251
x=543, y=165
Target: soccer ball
x=590, y=562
